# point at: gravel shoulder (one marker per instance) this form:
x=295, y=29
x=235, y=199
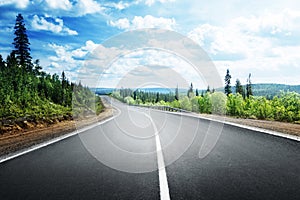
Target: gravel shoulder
x=17, y=140
x=283, y=127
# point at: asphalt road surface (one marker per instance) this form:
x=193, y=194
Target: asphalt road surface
x=122, y=159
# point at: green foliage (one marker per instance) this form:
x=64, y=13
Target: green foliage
x=28, y=93
x=185, y=103
x=227, y=83
x=190, y=92
x=195, y=104
x=285, y=107
x=205, y=103
x=239, y=88
x=21, y=43
x=218, y=103
x=129, y=100
x=249, y=87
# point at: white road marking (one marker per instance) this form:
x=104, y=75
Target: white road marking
x=261, y=130
x=163, y=181
x=47, y=143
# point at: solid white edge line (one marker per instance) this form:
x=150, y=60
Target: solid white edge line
x=47, y=143
x=163, y=181
x=261, y=130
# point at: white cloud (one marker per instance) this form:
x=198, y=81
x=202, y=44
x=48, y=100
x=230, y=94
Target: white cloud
x=84, y=7
x=120, y=5
x=148, y=21
x=151, y=2
x=145, y=66
x=69, y=59
x=59, y=4
x=84, y=50
x=74, y=8
x=18, y=3
x=254, y=44
x=123, y=23
x=40, y=23
x=273, y=23
x=253, y=36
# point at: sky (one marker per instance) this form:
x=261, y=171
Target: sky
x=257, y=37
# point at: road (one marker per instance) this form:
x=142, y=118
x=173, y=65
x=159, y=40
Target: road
x=122, y=159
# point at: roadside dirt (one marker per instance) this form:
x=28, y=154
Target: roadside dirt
x=283, y=127
x=18, y=139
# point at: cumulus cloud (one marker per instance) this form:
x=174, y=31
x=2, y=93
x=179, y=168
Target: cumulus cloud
x=151, y=2
x=252, y=36
x=69, y=59
x=41, y=23
x=84, y=7
x=59, y=4
x=148, y=21
x=75, y=9
x=18, y=3
x=84, y=50
x=254, y=44
x=119, y=6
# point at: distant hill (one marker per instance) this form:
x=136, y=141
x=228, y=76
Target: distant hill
x=264, y=89
x=102, y=91
x=270, y=89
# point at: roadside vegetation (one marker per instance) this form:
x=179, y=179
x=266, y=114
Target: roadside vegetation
x=29, y=94
x=240, y=103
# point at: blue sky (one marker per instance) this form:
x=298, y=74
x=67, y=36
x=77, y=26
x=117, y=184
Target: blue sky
x=258, y=37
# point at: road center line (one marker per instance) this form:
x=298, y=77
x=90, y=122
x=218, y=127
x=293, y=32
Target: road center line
x=163, y=181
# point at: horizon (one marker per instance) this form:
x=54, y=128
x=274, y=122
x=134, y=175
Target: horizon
x=181, y=88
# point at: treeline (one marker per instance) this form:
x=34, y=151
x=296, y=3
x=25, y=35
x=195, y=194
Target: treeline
x=142, y=97
x=29, y=93
x=242, y=103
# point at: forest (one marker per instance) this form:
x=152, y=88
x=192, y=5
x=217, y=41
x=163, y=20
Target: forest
x=241, y=102
x=27, y=93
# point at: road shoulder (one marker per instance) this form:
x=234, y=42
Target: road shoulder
x=11, y=143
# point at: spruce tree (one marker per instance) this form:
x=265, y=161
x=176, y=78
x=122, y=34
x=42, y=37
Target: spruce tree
x=157, y=98
x=249, y=87
x=176, y=93
x=21, y=43
x=197, y=92
x=227, y=83
x=190, y=91
x=208, y=89
x=2, y=63
x=238, y=87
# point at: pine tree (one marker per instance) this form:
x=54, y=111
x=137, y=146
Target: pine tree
x=2, y=63
x=190, y=91
x=176, y=93
x=227, y=83
x=208, y=89
x=21, y=43
x=157, y=98
x=238, y=87
x=249, y=87
x=197, y=92
x=37, y=67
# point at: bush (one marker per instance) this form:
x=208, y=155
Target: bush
x=185, y=103
x=129, y=100
x=218, y=103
